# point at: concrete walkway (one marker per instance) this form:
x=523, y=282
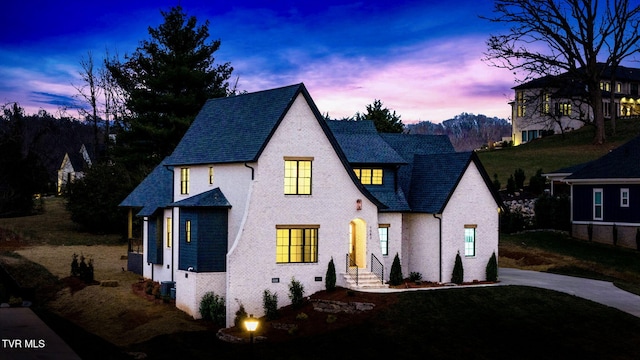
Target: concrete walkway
x=23, y=336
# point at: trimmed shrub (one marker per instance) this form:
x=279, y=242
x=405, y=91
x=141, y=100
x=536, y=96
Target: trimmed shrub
x=553, y=212
x=330, y=277
x=212, y=308
x=492, y=268
x=457, y=277
x=296, y=293
x=395, y=276
x=519, y=178
x=241, y=315
x=270, y=304
x=537, y=183
x=415, y=276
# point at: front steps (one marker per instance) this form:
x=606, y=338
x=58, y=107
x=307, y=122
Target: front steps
x=366, y=280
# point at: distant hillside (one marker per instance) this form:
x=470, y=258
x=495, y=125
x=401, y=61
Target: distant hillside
x=466, y=131
x=556, y=151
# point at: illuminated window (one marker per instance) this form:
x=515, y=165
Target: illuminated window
x=597, y=204
x=606, y=86
x=184, y=181
x=546, y=104
x=297, y=177
x=210, y=175
x=521, y=104
x=369, y=176
x=169, y=232
x=470, y=240
x=187, y=230
x=624, y=197
x=383, y=230
x=296, y=244
x=563, y=109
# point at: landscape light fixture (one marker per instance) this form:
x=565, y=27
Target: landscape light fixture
x=251, y=324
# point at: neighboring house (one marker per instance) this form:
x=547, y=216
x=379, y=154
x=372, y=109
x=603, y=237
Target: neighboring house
x=262, y=190
x=72, y=167
x=605, y=195
x=556, y=104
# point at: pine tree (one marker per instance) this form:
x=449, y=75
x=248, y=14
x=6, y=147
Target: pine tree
x=492, y=268
x=330, y=277
x=458, y=272
x=395, y=276
x=384, y=120
x=167, y=81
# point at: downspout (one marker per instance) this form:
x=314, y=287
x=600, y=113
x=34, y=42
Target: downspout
x=252, y=169
x=439, y=244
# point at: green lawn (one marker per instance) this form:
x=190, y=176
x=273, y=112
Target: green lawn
x=555, y=152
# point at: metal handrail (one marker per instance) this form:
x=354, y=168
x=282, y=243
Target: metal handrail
x=352, y=269
x=377, y=268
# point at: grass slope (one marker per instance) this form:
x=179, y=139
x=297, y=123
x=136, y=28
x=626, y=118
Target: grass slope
x=555, y=152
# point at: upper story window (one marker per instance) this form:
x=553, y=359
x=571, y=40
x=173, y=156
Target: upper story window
x=546, y=104
x=563, y=109
x=369, y=176
x=184, y=181
x=605, y=86
x=297, y=176
x=520, y=104
x=210, y=175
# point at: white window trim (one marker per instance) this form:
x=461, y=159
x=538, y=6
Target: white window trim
x=624, y=191
x=598, y=190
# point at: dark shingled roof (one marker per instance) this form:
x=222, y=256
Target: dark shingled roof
x=409, y=145
x=434, y=178
x=362, y=144
x=211, y=198
x=621, y=163
x=154, y=192
x=234, y=129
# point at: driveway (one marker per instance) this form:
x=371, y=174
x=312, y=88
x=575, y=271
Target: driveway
x=599, y=291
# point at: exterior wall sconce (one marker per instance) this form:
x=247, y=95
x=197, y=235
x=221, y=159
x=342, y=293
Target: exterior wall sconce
x=359, y=204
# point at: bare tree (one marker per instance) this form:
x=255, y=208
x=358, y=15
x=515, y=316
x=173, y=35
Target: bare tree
x=89, y=92
x=579, y=37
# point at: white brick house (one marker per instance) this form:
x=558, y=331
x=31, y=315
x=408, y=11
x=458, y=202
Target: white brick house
x=262, y=190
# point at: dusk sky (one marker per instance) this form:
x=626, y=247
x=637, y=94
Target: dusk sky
x=422, y=59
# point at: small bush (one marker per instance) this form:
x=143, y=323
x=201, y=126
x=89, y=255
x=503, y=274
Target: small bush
x=212, y=308
x=415, y=276
x=270, y=304
x=330, y=277
x=296, y=293
x=537, y=183
x=241, y=315
x=302, y=316
x=331, y=318
x=496, y=182
x=75, y=267
x=492, y=268
x=395, y=276
x=519, y=178
x=293, y=330
x=457, y=277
